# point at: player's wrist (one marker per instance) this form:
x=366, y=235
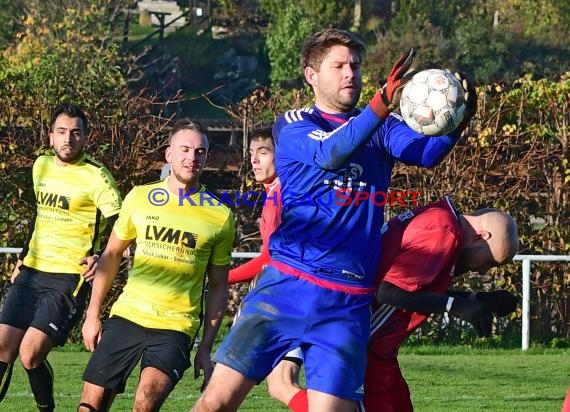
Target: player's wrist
x=378, y=106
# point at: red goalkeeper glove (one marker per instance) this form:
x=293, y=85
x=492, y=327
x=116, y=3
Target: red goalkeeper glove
x=388, y=99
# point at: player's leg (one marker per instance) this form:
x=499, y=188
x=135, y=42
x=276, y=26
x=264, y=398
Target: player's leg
x=283, y=381
x=263, y=333
x=17, y=313
x=116, y=355
x=165, y=359
x=59, y=307
x=153, y=389
x=335, y=351
x=95, y=398
x=10, y=338
x=226, y=390
x=320, y=401
x=33, y=354
x=384, y=387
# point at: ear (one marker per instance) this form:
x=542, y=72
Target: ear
x=168, y=155
x=311, y=76
x=484, y=234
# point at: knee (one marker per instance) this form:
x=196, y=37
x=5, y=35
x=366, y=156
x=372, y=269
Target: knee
x=275, y=389
x=207, y=404
x=280, y=389
x=30, y=360
x=8, y=352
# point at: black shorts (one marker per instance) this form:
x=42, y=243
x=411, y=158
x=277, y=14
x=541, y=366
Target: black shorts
x=123, y=343
x=51, y=302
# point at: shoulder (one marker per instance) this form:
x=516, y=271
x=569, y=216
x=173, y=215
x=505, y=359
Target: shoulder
x=44, y=160
x=145, y=188
x=95, y=167
x=219, y=202
x=294, y=116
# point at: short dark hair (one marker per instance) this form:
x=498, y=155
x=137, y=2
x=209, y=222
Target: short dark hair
x=70, y=110
x=318, y=44
x=186, y=123
x=262, y=133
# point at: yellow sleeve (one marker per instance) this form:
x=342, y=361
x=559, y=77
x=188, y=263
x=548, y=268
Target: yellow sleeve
x=124, y=228
x=106, y=195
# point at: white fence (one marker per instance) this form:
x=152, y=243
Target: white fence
x=526, y=261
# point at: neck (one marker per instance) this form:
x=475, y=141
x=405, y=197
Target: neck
x=174, y=185
x=271, y=184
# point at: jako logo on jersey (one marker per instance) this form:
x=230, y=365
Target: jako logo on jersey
x=53, y=200
x=172, y=236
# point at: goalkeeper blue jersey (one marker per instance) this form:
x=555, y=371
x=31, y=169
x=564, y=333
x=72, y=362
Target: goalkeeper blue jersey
x=334, y=171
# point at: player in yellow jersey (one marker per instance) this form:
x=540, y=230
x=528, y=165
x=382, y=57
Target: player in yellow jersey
x=75, y=196
x=182, y=234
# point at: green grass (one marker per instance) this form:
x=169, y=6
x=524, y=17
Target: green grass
x=441, y=379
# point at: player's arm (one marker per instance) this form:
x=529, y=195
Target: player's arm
x=107, y=198
x=216, y=304
x=473, y=311
x=500, y=302
x=90, y=262
x=31, y=226
x=107, y=269
x=413, y=148
x=250, y=269
x=305, y=141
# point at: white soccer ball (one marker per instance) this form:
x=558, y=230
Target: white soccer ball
x=432, y=102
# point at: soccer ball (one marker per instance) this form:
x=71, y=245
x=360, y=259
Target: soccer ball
x=432, y=102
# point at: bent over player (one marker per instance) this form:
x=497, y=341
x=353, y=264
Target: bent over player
x=75, y=195
x=182, y=237
x=316, y=291
x=423, y=250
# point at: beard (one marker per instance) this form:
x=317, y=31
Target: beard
x=70, y=155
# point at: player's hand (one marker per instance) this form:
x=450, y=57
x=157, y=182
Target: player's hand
x=470, y=96
x=500, y=302
x=90, y=263
x=475, y=312
x=16, y=271
x=91, y=331
x=203, y=362
x=388, y=99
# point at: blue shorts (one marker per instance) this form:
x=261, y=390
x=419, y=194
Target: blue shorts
x=284, y=312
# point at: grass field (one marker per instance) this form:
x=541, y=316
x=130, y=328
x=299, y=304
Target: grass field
x=441, y=379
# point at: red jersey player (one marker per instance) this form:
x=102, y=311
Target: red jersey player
x=423, y=250
x=262, y=157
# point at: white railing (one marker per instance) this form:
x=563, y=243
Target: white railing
x=526, y=260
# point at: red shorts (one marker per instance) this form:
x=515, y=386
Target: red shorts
x=385, y=389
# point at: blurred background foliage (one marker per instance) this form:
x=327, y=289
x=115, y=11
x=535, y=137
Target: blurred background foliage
x=515, y=154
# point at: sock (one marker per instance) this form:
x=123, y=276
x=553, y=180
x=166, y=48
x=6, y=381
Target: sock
x=41, y=382
x=5, y=377
x=299, y=402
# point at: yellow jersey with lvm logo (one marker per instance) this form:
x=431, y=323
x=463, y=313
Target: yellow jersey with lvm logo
x=176, y=238
x=72, y=204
